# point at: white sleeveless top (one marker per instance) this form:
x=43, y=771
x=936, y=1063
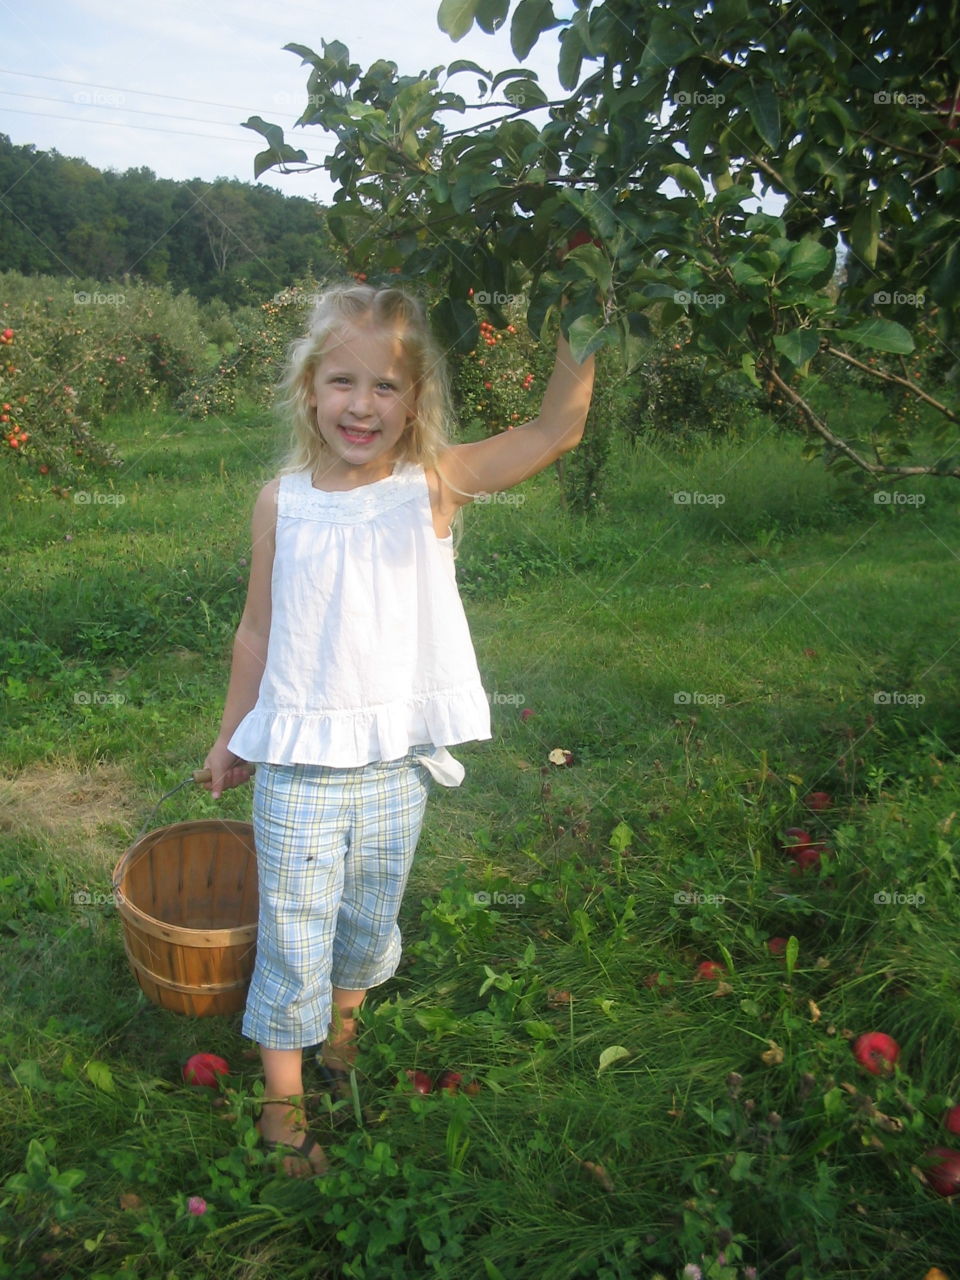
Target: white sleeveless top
x=369, y=651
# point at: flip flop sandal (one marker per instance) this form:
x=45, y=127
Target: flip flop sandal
x=300, y=1149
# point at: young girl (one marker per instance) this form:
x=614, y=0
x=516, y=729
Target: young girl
x=353, y=668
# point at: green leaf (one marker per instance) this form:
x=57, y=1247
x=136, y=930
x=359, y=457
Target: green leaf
x=806, y=259
x=492, y=14
x=791, y=953
x=865, y=234
x=614, y=1053
x=530, y=19
x=668, y=44
x=571, y=57
x=539, y=1030
x=464, y=64
x=879, y=335
x=457, y=323
x=586, y=336
x=455, y=17
x=100, y=1075
x=761, y=101
x=687, y=179
x=621, y=838
x=799, y=345
x=749, y=366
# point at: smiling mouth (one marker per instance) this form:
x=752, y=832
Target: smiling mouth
x=356, y=435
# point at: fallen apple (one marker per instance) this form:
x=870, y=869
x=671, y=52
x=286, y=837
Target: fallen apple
x=473, y=1088
x=204, y=1070
x=951, y=1120
x=876, y=1051
x=796, y=838
x=807, y=857
x=944, y=1174
x=421, y=1081
x=527, y=713
x=708, y=970
x=818, y=801
x=449, y=1081
x=776, y=946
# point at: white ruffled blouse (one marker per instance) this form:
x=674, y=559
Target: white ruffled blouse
x=369, y=652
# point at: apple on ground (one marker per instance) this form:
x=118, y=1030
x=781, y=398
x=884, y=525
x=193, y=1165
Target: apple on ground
x=876, y=1051
x=943, y=1174
x=808, y=857
x=818, y=801
x=777, y=946
x=796, y=838
x=708, y=970
x=449, y=1081
x=421, y=1081
x=204, y=1070
x=951, y=1120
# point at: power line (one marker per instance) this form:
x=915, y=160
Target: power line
x=112, y=106
x=118, y=124
x=143, y=93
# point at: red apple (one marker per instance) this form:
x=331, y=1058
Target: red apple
x=951, y=1120
x=421, y=1081
x=807, y=857
x=818, y=801
x=876, y=1051
x=527, y=713
x=449, y=1081
x=776, y=946
x=944, y=1174
x=582, y=237
x=708, y=970
x=473, y=1088
x=204, y=1069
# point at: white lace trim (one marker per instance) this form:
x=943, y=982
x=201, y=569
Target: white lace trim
x=297, y=497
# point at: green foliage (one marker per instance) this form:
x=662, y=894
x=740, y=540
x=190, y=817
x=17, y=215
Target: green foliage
x=79, y=350
x=675, y=119
x=224, y=239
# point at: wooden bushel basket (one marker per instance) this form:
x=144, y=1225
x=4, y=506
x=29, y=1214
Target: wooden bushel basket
x=187, y=895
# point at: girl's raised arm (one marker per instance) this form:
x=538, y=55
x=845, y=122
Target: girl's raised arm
x=487, y=466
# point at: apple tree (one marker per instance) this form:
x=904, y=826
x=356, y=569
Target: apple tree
x=784, y=178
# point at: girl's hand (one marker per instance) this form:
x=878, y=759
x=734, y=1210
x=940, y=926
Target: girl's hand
x=226, y=770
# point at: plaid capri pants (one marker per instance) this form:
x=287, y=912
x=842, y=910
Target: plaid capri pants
x=334, y=849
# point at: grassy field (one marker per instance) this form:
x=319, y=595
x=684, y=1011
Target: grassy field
x=731, y=631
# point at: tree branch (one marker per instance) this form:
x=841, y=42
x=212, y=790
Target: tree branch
x=892, y=377
x=841, y=446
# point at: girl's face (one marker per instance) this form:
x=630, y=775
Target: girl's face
x=364, y=400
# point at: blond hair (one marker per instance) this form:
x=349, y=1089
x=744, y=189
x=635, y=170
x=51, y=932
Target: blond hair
x=402, y=317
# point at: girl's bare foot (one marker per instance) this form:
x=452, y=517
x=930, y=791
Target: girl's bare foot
x=282, y=1127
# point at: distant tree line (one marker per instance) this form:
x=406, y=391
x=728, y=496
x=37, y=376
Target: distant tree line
x=224, y=239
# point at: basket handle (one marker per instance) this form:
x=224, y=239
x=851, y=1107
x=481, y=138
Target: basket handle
x=198, y=777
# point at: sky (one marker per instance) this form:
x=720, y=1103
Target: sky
x=167, y=83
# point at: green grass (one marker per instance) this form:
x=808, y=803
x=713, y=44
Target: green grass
x=708, y=663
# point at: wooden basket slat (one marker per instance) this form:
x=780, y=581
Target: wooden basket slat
x=187, y=896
